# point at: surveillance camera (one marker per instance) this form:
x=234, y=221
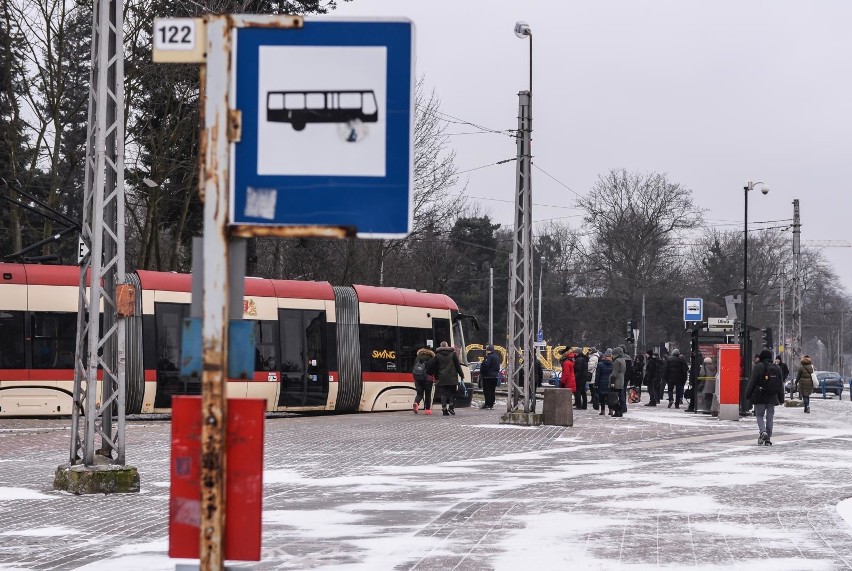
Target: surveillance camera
x=765, y=190
x=522, y=29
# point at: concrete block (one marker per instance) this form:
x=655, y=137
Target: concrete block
x=558, y=409
x=98, y=479
x=522, y=418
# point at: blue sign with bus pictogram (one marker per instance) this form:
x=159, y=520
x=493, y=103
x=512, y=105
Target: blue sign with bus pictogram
x=327, y=126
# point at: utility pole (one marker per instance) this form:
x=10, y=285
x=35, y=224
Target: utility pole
x=521, y=286
x=796, y=329
x=491, y=306
x=781, y=335
x=101, y=470
x=644, y=339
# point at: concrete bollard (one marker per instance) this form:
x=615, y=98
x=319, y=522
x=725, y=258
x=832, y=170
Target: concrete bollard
x=558, y=407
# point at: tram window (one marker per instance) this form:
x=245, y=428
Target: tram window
x=379, y=348
x=350, y=100
x=264, y=342
x=12, y=355
x=410, y=340
x=275, y=101
x=315, y=101
x=53, y=339
x=441, y=329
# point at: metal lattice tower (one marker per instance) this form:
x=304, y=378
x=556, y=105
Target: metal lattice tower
x=521, y=284
x=103, y=232
x=796, y=327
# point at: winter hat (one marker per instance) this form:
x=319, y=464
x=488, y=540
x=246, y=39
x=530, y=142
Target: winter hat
x=766, y=355
x=676, y=352
x=489, y=348
x=608, y=353
x=617, y=352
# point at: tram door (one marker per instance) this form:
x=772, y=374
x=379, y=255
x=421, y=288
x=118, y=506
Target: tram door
x=304, y=363
x=167, y=342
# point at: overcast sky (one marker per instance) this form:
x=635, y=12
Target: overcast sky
x=714, y=93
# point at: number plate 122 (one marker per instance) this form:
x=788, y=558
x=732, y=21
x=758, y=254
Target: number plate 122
x=174, y=34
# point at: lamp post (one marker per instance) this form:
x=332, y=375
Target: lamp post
x=522, y=30
x=746, y=335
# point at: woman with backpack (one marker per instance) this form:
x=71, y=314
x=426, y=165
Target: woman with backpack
x=423, y=379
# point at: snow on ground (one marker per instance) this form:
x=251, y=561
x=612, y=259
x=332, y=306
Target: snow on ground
x=10, y=494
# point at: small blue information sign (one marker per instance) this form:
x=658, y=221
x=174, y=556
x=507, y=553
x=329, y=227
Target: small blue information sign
x=693, y=309
x=327, y=126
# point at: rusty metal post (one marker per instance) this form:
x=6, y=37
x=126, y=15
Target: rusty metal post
x=213, y=186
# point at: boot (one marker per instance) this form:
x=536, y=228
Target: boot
x=453, y=409
x=602, y=412
x=445, y=412
x=762, y=439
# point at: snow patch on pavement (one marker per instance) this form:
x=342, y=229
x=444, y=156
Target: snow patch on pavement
x=43, y=532
x=22, y=494
x=844, y=508
x=157, y=546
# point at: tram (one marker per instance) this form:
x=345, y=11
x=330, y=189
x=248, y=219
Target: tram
x=318, y=347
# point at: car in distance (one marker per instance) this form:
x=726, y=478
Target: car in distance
x=474, y=374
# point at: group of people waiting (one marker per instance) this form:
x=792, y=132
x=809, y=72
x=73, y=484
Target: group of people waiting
x=608, y=375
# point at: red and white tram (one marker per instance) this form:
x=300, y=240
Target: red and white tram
x=318, y=347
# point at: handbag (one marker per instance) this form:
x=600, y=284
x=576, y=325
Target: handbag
x=462, y=389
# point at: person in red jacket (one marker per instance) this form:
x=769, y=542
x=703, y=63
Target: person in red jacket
x=568, y=380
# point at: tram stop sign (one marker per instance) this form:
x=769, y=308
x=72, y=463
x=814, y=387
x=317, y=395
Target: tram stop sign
x=327, y=126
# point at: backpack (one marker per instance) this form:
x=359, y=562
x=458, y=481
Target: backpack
x=770, y=379
x=419, y=371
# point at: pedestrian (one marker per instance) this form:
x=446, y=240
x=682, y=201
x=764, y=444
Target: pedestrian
x=658, y=378
x=603, y=375
x=675, y=372
x=581, y=374
x=765, y=391
x=805, y=382
x=638, y=374
x=538, y=370
x=424, y=377
x=785, y=370
x=489, y=371
x=594, y=358
x=568, y=379
x=448, y=371
x=628, y=377
x=707, y=384
x=651, y=365
x=616, y=382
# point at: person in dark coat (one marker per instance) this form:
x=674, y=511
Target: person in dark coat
x=448, y=371
x=581, y=374
x=785, y=370
x=424, y=384
x=765, y=391
x=489, y=371
x=675, y=372
x=652, y=366
x=602, y=377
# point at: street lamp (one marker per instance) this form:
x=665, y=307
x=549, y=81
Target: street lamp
x=747, y=337
x=523, y=30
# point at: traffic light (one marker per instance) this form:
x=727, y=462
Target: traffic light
x=630, y=339
x=767, y=338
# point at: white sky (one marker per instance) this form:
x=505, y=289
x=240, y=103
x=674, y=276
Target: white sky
x=714, y=93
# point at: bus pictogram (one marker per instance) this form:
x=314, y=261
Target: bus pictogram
x=302, y=107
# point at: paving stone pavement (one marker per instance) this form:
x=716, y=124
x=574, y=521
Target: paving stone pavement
x=657, y=488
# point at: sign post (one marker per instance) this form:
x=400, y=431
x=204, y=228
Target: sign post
x=307, y=130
